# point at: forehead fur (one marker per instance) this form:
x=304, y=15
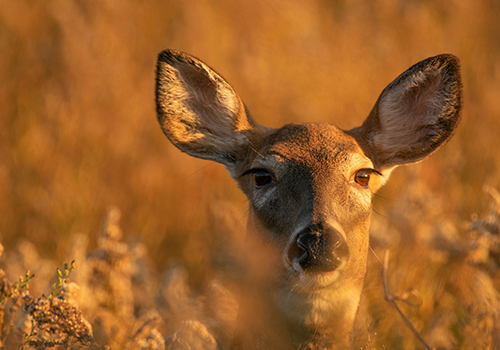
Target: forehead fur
x=312, y=143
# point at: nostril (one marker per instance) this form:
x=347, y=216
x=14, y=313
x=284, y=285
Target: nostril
x=341, y=250
x=296, y=251
x=337, y=244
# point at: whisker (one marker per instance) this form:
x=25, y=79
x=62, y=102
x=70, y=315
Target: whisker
x=252, y=146
x=380, y=214
x=198, y=170
x=375, y=254
x=385, y=199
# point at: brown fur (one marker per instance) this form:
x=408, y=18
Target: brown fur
x=313, y=170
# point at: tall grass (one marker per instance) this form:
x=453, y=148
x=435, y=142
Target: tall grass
x=78, y=129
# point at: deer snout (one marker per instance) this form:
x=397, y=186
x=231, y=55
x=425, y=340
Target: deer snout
x=318, y=249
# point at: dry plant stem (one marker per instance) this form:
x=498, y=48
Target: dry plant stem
x=390, y=298
x=147, y=322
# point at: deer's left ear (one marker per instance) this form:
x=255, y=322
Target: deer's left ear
x=199, y=111
x=415, y=115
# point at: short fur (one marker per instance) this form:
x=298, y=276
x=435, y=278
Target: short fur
x=312, y=209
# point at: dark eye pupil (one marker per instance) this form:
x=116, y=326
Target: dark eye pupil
x=363, y=178
x=261, y=178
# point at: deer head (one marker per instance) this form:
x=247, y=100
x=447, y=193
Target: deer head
x=310, y=186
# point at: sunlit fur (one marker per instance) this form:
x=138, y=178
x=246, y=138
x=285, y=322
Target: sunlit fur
x=313, y=168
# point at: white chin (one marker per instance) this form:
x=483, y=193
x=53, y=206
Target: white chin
x=319, y=299
x=313, y=282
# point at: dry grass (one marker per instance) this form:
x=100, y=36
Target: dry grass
x=444, y=277
x=78, y=133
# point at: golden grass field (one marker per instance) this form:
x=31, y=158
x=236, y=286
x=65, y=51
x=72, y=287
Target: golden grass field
x=78, y=134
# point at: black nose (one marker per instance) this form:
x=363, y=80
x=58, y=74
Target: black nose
x=319, y=248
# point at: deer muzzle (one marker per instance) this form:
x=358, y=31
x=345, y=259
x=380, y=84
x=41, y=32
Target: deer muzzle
x=318, y=249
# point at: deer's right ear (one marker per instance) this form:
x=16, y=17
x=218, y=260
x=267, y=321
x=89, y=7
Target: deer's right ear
x=415, y=115
x=198, y=110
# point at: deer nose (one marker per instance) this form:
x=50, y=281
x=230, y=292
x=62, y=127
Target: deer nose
x=318, y=249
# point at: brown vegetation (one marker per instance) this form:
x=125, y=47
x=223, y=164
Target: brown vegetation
x=78, y=133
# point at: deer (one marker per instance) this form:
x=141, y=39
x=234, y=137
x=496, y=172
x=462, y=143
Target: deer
x=309, y=186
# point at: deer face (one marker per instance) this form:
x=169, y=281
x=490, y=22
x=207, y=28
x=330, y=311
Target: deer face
x=310, y=186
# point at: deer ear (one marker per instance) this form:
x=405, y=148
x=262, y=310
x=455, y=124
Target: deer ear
x=198, y=110
x=415, y=115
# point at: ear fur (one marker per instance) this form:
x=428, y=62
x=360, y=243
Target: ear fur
x=415, y=115
x=198, y=110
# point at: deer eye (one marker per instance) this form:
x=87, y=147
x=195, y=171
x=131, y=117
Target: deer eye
x=261, y=178
x=362, y=178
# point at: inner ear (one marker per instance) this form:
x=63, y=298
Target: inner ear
x=210, y=98
x=415, y=115
x=199, y=111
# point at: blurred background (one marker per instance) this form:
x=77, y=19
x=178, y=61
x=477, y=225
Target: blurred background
x=78, y=129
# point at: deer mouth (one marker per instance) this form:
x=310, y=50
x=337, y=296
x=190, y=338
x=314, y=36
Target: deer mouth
x=312, y=282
